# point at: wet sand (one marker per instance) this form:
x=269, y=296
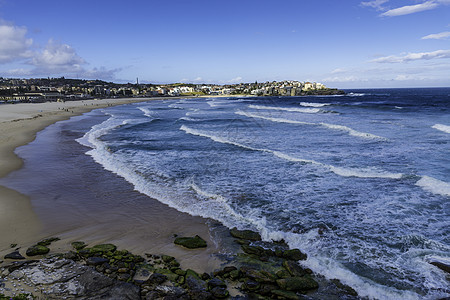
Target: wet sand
x=77, y=199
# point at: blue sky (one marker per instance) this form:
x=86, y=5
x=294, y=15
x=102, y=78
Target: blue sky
x=344, y=44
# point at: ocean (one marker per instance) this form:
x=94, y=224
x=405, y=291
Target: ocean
x=360, y=182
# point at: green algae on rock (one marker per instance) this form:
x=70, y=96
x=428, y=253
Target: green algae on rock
x=191, y=242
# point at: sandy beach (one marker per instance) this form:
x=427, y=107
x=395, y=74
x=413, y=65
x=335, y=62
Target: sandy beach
x=24, y=220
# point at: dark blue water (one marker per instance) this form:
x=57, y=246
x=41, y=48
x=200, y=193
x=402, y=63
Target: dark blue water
x=360, y=182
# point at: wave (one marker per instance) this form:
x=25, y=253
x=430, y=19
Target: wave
x=349, y=130
x=291, y=109
x=312, y=104
x=443, y=128
x=147, y=112
x=189, y=119
x=434, y=185
x=344, y=172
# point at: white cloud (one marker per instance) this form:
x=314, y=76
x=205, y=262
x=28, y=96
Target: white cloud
x=410, y=9
x=14, y=44
x=377, y=4
x=413, y=56
x=100, y=73
x=338, y=70
x=437, y=36
x=57, y=57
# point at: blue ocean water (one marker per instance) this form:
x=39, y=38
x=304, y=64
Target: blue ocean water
x=360, y=182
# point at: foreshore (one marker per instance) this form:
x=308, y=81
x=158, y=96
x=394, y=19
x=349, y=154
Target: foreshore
x=20, y=224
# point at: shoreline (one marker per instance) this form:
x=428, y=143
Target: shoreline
x=21, y=224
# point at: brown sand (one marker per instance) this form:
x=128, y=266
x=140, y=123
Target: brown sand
x=19, y=223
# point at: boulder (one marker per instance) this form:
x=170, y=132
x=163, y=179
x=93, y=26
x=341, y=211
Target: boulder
x=293, y=268
x=96, y=261
x=286, y=294
x=14, y=255
x=245, y=234
x=442, y=266
x=78, y=245
x=48, y=241
x=219, y=292
x=253, y=250
x=297, y=283
x=104, y=248
x=37, y=250
x=294, y=254
x=191, y=242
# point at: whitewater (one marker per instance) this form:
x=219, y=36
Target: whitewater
x=361, y=186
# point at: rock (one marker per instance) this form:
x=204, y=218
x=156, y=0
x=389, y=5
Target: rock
x=37, y=250
x=245, y=234
x=294, y=254
x=216, y=282
x=170, y=276
x=78, y=245
x=297, y=283
x=197, y=287
x=259, y=276
x=70, y=255
x=48, y=241
x=286, y=294
x=345, y=288
x=219, y=292
x=224, y=271
x=167, y=258
x=442, y=266
x=191, y=242
x=14, y=255
x=293, y=268
x=251, y=285
x=123, y=276
x=283, y=274
x=104, y=248
x=234, y=275
x=96, y=261
x=157, y=278
x=254, y=250
x=266, y=289
x=170, y=291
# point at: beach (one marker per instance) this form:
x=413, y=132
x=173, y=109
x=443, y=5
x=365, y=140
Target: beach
x=145, y=226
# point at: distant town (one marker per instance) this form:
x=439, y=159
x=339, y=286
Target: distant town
x=63, y=89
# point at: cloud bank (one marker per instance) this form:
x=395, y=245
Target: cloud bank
x=438, y=54
x=54, y=59
x=437, y=36
x=13, y=43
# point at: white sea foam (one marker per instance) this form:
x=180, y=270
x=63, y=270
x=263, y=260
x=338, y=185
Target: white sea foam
x=349, y=130
x=291, y=109
x=147, y=112
x=312, y=104
x=443, y=128
x=434, y=185
x=353, y=132
x=345, y=172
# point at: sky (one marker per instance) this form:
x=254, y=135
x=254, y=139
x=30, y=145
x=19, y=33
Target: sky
x=343, y=44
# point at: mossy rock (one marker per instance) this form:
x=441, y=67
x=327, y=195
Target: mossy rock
x=255, y=250
x=79, y=245
x=167, y=258
x=48, y=241
x=293, y=268
x=297, y=283
x=191, y=242
x=286, y=294
x=37, y=250
x=245, y=234
x=294, y=254
x=104, y=248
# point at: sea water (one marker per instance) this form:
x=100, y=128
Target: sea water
x=359, y=182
